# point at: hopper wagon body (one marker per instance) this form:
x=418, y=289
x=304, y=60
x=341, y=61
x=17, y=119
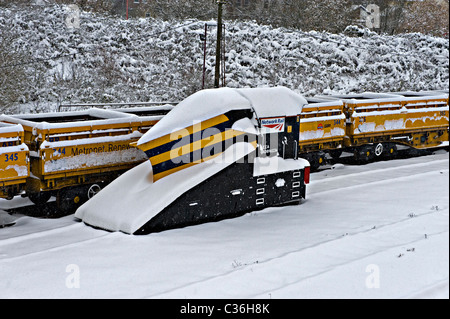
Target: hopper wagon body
x=377, y=124
x=14, y=160
x=74, y=154
x=322, y=130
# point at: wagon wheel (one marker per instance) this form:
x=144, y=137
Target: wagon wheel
x=39, y=198
x=335, y=154
x=316, y=159
x=93, y=190
x=378, y=150
x=69, y=198
x=364, y=154
x=391, y=151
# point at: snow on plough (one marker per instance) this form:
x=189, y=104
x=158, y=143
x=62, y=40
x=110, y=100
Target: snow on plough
x=217, y=154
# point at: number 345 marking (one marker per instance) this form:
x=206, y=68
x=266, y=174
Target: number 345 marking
x=11, y=157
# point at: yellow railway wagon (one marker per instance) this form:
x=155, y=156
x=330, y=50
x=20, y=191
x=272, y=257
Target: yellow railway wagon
x=378, y=123
x=14, y=160
x=322, y=130
x=74, y=154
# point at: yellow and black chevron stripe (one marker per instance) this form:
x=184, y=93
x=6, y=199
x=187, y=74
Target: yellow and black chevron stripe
x=194, y=144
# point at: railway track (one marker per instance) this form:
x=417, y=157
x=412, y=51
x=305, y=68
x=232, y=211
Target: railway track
x=50, y=209
x=331, y=177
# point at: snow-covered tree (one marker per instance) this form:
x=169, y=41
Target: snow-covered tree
x=325, y=15
x=180, y=9
x=428, y=16
x=108, y=59
x=330, y=15
x=13, y=77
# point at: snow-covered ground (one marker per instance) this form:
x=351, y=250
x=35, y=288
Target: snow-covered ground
x=375, y=231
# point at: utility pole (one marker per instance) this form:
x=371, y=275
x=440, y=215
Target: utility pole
x=219, y=40
x=204, y=53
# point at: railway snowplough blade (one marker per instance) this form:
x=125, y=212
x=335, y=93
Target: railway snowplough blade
x=218, y=154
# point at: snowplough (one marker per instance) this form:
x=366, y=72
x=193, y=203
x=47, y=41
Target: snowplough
x=218, y=154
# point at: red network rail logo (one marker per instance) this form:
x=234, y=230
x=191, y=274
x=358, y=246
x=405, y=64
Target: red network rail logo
x=277, y=127
x=273, y=124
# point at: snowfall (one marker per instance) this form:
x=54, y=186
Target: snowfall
x=379, y=230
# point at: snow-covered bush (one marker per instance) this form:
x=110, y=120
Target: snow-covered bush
x=108, y=59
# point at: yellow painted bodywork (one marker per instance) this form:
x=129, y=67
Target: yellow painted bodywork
x=14, y=163
x=182, y=133
x=186, y=149
x=60, y=164
x=81, y=158
x=322, y=127
x=419, y=123
x=73, y=153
